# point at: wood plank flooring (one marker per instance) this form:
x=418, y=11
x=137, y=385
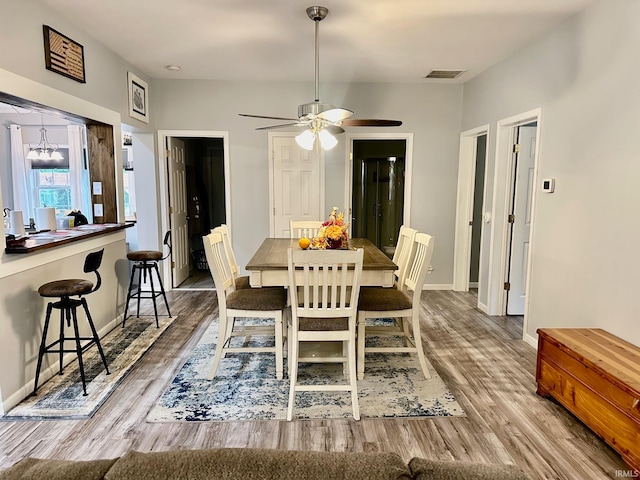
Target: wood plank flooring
x=482, y=360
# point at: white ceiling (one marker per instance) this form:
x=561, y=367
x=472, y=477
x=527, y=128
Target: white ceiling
x=273, y=40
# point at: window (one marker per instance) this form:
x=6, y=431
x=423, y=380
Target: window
x=53, y=189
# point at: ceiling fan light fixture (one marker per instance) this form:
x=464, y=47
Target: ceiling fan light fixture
x=327, y=141
x=306, y=139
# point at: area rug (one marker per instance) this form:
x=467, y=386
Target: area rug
x=61, y=397
x=245, y=388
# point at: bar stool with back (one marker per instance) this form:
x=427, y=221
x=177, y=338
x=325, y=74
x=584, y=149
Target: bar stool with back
x=146, y=262
x=65, y=289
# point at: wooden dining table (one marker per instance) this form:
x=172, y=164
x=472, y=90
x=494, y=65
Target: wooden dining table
x=268, y=266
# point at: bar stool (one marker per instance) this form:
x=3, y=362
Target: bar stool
x=146, y=262
x=65, y=289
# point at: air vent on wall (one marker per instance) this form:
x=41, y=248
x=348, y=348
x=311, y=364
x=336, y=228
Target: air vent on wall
x=447, y=74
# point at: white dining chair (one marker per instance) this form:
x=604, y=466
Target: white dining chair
x=402, y=250
x=240, y=281
x=401, y=304
x=233, y=303
x=304, y=228
x=324, y=289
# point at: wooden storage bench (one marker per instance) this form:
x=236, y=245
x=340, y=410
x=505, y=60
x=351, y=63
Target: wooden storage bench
x=596, y=376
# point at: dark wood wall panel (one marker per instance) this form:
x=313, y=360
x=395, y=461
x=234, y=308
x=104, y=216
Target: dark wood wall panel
x=102, y=169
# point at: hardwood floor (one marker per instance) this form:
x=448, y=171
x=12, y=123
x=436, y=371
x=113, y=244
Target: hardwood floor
x=197, y=279
x=482, y=360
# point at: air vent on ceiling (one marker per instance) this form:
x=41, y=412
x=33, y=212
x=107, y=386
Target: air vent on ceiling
x=447, y=74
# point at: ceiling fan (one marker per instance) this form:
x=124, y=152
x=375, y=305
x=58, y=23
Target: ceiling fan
x=319, y=119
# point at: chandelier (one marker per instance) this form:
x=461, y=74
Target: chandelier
x=44, y=150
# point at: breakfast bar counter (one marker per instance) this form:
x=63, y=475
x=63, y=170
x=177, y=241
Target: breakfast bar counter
x=49, y=239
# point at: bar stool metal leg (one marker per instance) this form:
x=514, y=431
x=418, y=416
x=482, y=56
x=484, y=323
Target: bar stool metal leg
x=76, y=330
x=126, y=308
x=96, y=339
x=141, y=270
x=153, y=293
x=164, y=295
x=61, y=339
x=43, y=344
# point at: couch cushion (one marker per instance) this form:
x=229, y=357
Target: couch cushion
x=250, y=463
x=40, y=469
x=447, y=470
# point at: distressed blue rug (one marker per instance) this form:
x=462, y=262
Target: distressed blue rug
x=245, y=388
x=61, y=397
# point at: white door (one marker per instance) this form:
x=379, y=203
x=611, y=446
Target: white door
x=521, y=224
x=297, y=184
x=178, y=210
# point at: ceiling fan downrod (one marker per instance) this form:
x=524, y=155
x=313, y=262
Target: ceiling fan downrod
x=317, y=14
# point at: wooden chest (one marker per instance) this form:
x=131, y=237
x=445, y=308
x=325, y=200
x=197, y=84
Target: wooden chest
x=596, y=376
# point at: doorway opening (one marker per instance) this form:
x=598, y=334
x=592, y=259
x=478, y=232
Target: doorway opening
x=522, y=187
x=378, y=191
x=196, y=182
x=476, y=227
x=470, y=262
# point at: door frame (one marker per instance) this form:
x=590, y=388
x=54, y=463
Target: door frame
x=408, y=168
x=164, y=181
x=498, y=255
x=464, y=209
x=321, y=173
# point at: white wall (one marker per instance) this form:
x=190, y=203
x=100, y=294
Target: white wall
x=584, y=76
x=431, y=112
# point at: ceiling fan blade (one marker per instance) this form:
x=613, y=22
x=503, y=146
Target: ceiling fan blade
x=282, y=125
x=334, y=129
x=335, y=114
x=270, y=118
x=370, y=122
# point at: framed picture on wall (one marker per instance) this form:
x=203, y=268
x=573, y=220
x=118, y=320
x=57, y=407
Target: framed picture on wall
x=138, y=98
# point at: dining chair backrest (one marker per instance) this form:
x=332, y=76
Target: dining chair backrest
x=304, y=228
x=232, y=263
x=418, y=266
x=324, y=283
x=402, y=251
x=217, y=261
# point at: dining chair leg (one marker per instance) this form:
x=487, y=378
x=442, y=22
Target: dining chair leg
x=361, y=333
x=278, y=345
x=352, y=373
x=417, y=340
x=222, y=338
x=293, y=374
x=407, y=332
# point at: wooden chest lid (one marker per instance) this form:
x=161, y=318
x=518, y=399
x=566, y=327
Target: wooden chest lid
x=610, y=356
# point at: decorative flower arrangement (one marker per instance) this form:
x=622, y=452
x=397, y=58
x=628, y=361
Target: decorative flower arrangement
x=333, y=233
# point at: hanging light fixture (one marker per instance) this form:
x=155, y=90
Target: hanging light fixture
x=319, y=130
x=44, y=150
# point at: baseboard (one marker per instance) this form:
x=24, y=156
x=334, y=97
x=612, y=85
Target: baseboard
x=50, y=371
x=437, y=286
x=533, y=341
x=473, y=284
x=483, y=308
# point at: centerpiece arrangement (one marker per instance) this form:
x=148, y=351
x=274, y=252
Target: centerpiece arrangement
x=333, y=233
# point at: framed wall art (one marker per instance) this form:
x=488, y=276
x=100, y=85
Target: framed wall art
x=62, y=55
x=138, y=98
